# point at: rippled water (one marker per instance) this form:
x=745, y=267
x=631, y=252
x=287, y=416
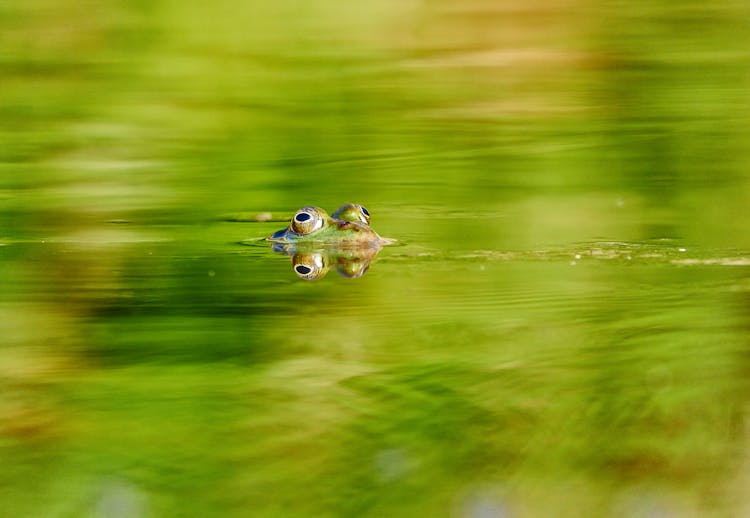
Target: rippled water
x=560, y=328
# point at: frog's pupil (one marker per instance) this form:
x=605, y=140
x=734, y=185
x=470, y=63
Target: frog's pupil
x=364, y=211
x=302, y=269
x=302, y=216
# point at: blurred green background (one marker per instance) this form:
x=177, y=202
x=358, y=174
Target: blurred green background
x=561, y=329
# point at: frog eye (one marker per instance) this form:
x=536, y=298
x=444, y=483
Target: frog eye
x=308, y=220
x=352, y=212
x=365, y=214
x=303, y=269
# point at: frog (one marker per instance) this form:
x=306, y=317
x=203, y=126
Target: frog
x=348, y=228
x=317, y=242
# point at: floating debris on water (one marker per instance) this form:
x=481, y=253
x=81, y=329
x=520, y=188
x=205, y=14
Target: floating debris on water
x=252, y=217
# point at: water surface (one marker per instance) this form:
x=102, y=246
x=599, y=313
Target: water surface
x=561, y=329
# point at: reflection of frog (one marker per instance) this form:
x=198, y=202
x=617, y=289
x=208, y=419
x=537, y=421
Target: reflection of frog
x=311, y=266
x=314, y=225
x=316, y=241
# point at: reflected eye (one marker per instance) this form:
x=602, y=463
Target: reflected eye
x=309, y=266
x=308, y=220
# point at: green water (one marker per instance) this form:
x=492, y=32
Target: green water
x=560, y=330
